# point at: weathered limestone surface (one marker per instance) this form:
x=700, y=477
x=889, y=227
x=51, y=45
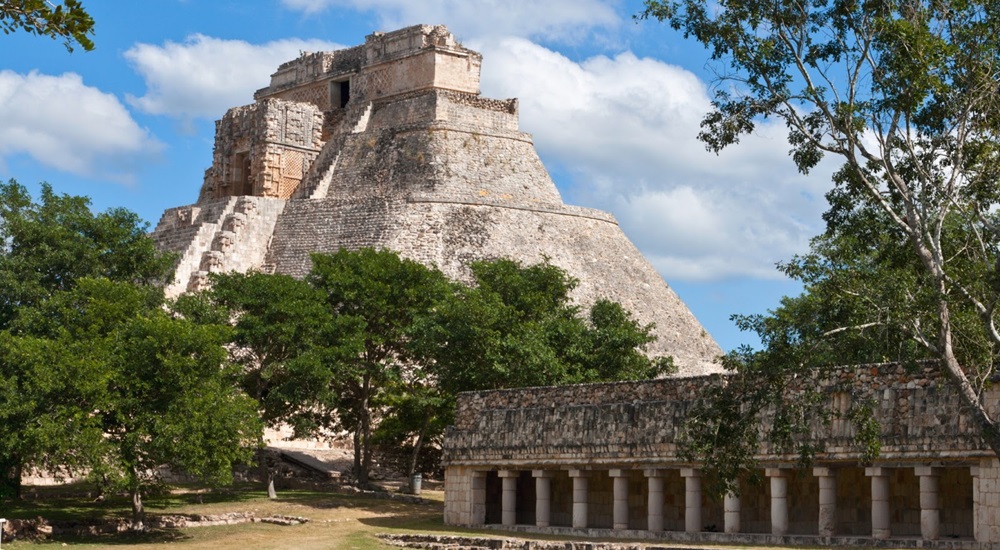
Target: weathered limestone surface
x=389, y=145
x=639, y=422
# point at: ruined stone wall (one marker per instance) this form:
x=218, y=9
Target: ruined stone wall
x=987, y=500
x=316, y=94
x=305, y=68
x=418, y=108
x=230, y=234
x=639, y=422
x=475, y=112
x=275, y=140
x=461, y=111
x=441, y=163
x=326, y=225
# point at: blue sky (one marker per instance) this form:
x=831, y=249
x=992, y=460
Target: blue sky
x=614, y=107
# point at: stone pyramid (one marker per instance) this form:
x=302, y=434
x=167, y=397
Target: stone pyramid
x=390, y=145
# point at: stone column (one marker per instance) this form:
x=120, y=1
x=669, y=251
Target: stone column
x=779, y=500
x=731, y=512
x=880, y=502
x=654, y=499
x=508, y=501
x=692, y=499
x=827, y=478
x=543, y=497
x=930, y=501
x=478, y=498
x=620, y=509
x=978, y=533
x=580, y=488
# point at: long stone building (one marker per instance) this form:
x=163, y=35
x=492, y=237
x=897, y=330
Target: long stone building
x=390, y=145
x=603, y=460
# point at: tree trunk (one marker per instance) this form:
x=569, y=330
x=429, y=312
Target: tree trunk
x=364, y=435
x=415, y=456
x=988, y=428
x=365, y=449
x=271, y=493
x=357, y=454
x=138, y=511
x=16, y=481
x=268, y=468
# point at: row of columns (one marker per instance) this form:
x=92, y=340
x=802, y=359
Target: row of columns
x=930, y=513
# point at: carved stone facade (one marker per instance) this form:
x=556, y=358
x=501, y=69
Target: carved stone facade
x=603, y=460
x=389, y=145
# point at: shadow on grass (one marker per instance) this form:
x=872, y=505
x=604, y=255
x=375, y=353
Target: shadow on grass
x=159, y=536
x=429, y=523
x=82, y=508
x=326, y=500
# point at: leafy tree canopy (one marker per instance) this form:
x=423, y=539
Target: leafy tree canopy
x=516, y=326
x=379, y=345
x=904, y=94
x=125, y=387
x=68, y=21
x=46, y=246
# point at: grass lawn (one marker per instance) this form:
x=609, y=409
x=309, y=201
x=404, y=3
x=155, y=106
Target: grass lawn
x=336, y=521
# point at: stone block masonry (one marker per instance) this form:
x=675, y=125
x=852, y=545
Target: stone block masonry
x=934, y=484
x=389, y=145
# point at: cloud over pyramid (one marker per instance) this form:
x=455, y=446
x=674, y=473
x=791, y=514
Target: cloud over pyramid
x=390, y=145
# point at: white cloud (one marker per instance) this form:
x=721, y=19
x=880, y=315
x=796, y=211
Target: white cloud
x=63, y=123
x=625, y=128
x=550, y=19
x=203, y=76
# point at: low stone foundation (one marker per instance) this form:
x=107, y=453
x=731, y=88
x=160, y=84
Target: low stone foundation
x=40, y=528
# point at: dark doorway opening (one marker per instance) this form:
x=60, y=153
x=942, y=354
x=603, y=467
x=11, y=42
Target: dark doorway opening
x=243, y=183
x=494, y=491
x=345, y=93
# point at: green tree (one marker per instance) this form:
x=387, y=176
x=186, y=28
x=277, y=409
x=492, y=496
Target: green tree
x=283, y=335
x=905, y=95
x=69, y=21
x=379, y=346
x=131, y=386
x=516, y=326
x=46, y=246
x=381, y=297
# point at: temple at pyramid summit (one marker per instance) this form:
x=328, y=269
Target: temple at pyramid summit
x=390, y=145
